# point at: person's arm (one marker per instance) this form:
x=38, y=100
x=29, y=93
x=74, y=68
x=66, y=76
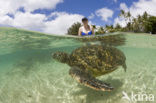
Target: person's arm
x=92, y=30
x=79, y=33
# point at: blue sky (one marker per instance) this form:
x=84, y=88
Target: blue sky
x=56, y=16
x=86, y=7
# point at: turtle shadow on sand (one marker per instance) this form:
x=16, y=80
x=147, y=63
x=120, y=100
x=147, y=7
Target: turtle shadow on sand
x=29, y=61
x=93, y=96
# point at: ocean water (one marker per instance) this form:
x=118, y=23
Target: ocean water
x=29, y=74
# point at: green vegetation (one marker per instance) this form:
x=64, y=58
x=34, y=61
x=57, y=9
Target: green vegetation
x=73, y=30
x=151, y=25
x=101, y=30
x=141, y=24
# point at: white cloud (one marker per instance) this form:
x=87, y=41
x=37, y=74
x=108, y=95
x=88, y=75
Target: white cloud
x=24, y=20
x=5, y=20
x=143, y=5
x=91, y=16
x=115, y=1
x=138, y=8
x=29, y=21
x=62, y=22
x=31, y=5
x=38, y=22
x=104, y=13
x=11, y=6
x=124, y=7
x=120, y=21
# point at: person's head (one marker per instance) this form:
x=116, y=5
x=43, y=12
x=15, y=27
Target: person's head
x=85, y=21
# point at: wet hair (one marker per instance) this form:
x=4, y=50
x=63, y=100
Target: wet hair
x=84, y=19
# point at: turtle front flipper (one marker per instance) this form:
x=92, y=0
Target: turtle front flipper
x=88, y=80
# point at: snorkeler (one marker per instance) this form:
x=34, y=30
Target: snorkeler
x=86, y=29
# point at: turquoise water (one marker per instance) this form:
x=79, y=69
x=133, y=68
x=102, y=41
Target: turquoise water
x=28, y=73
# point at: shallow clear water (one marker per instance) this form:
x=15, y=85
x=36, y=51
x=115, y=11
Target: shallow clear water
x=28, y=73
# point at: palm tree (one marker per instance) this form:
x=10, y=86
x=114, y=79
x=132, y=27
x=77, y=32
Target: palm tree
x=140, y=21
x=117, y=26
x=122, y=13
x=145, y=17
x=110, y=28
x=128, y=16
x=101, y=30
x=135, y=25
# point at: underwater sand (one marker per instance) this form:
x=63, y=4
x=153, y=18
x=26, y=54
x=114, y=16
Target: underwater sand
x=28, y=73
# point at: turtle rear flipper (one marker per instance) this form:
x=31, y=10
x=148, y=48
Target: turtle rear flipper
x=124, y=66
x=88, y=80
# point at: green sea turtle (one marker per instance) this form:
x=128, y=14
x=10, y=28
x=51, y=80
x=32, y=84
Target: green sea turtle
x=88, y=62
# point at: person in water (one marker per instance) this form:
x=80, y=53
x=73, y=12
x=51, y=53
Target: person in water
x=86, y=29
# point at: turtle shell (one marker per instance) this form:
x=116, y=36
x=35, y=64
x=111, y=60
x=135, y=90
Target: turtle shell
x=97, y=59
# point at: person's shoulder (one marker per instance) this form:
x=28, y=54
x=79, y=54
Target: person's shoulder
x=91, y=26
x=81, y=27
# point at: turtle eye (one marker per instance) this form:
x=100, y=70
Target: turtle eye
x=54, y=55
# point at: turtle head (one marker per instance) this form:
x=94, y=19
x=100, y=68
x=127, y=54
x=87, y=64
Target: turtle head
x=61, y=57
